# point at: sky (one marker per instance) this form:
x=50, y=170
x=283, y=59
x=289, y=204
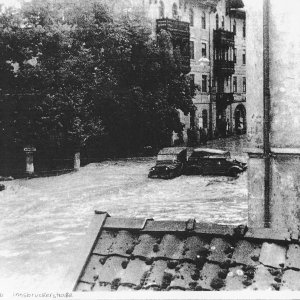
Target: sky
x=15, y=2
x=10, y=2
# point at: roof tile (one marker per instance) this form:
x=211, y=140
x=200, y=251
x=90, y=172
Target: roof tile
x=153, y=288
x=84, y=287
x=124, y=223
x=246, y=253
x=165, y=226
x=263, y=279
x=290, y=281
x=216, y=229
x=195, y=248
x=124, y=243
x=272, y=255
x=155, y=277
x=135, y=273
x=92, y=270
x=171, y=247
x=123, y=288
x=219, y=250
x=236, y=279
x=104, y=242
x=293, y=256
x=102, y=287
x=186, y=276
x=207, y=275
x=112, y=269
x=145, y=245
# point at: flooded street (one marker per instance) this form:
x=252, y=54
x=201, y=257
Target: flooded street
x=43, y=219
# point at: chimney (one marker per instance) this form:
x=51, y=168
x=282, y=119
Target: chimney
x=273, y=114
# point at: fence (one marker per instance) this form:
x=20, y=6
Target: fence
x=20, y=164
x=29, y=162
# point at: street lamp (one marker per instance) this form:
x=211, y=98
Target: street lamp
x=204, y=61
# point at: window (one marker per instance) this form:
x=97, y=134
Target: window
x=192, y=50
x=234, y=55
x=234, y=84
x=161, y=10
x=174, y=11
x=192, y=81
x=223, y=22
x=203, y=21
x=204, y=118
x=234, y=27
x=217, y=21
x=191, y=16
x=226, y=54
x=244, y=84
x=244, y=29
x=204, y=83
x=244, y=57
x=180, y=3
x=203, y=49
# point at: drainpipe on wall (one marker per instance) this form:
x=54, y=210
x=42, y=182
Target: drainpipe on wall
x=274, y=116
x=266, y=115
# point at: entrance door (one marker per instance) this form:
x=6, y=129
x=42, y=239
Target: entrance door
x=240, y=119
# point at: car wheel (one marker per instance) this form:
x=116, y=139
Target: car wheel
x=233, y=172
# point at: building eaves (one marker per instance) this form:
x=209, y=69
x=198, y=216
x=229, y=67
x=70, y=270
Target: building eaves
x=235, y=3
x=136, y=254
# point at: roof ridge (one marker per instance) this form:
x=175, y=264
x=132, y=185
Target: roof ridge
x=192, y=226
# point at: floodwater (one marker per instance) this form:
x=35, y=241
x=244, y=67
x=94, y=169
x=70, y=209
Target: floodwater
x=43, y=220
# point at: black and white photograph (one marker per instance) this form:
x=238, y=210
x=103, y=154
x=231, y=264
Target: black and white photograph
x=149, y=146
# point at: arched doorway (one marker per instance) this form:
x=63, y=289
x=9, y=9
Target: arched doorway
x=240, y=119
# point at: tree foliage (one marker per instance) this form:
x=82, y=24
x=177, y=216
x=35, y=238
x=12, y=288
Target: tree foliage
x=74, y=75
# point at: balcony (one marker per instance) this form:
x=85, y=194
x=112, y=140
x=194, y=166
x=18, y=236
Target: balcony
x=185, y=64
x=223, y=38
x=180, y=32
x=223, y=67
x=224, y=99
x=178, y=29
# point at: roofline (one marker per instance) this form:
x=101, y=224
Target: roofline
x=102, y=220
x=190, y=225
x=238, y=13
x=210, y=150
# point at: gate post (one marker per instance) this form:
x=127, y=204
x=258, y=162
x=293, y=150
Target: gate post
x=77, y=160
x=29, y=160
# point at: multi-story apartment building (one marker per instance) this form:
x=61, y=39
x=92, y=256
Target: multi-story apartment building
x=215, y=31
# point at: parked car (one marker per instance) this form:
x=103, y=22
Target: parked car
x=170, y=163
x=213, y=162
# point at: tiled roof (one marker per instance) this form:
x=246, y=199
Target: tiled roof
x=136, y=254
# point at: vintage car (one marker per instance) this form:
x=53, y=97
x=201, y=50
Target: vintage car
x=213, y=162
x=170, y=163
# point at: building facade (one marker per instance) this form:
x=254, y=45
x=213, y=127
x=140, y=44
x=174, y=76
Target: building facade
x=215, y=31
x=217, y=35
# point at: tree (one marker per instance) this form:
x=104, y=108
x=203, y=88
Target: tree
x=81, y=75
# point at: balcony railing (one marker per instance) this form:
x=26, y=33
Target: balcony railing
x=224, y=99
x=223, y=38
x=180, y=32
x=176, y=27
x=223, y=67
x=185, y=64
